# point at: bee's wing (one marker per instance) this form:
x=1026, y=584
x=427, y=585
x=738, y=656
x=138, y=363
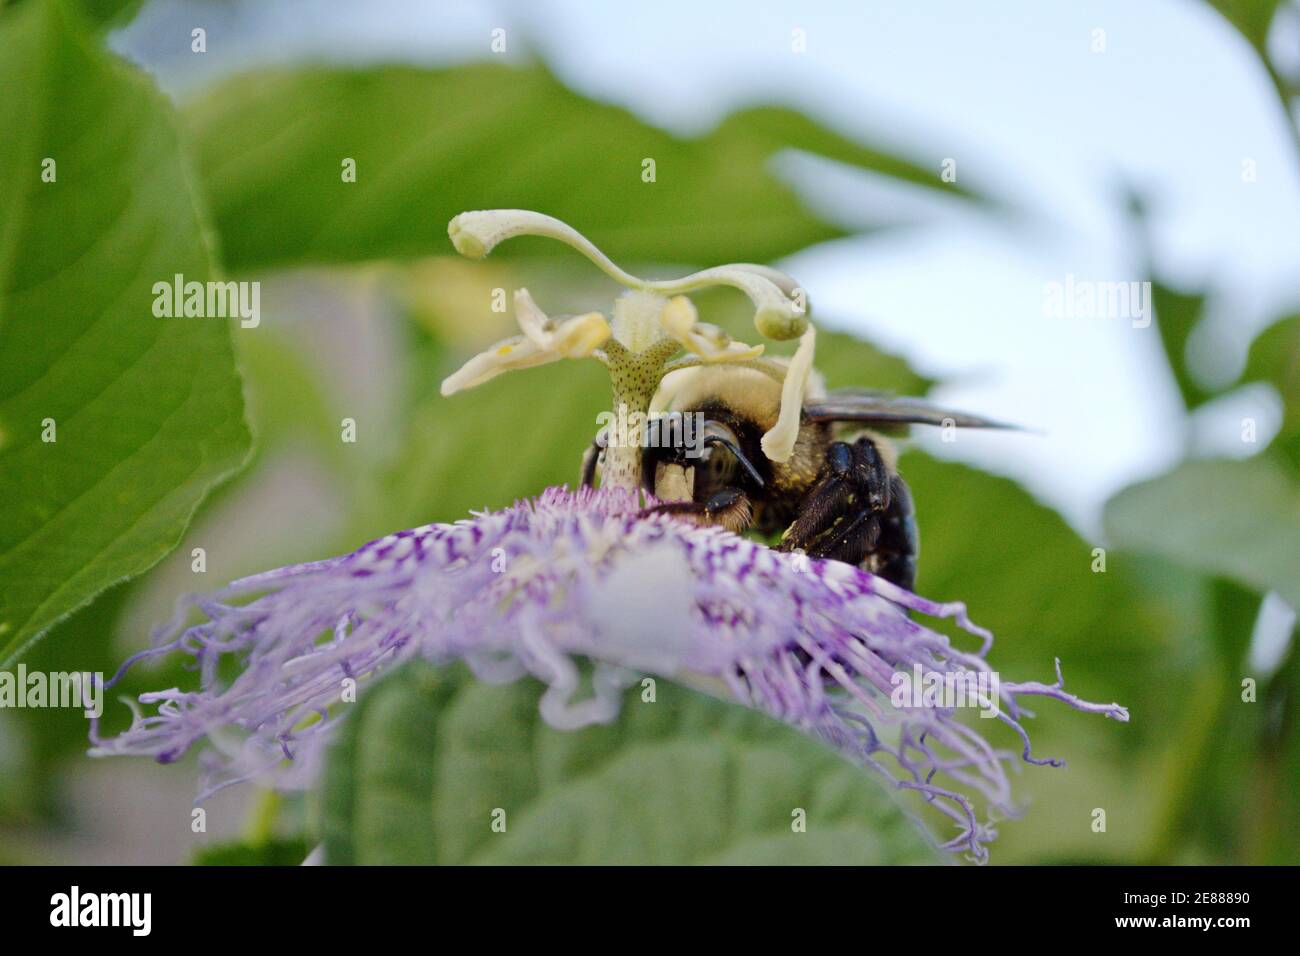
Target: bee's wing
x=877, y=408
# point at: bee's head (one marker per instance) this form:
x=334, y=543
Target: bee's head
x=687, y=457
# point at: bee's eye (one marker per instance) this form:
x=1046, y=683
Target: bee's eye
x=719, y=464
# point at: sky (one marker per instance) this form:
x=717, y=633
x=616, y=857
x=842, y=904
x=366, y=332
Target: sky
x=1036, y=107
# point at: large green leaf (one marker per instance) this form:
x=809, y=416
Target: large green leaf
x=1128, y=628
x=428, y=757
x=1275, y=358
x=1029, y=577
x=429, y=144
x=1238, y=519
x=147, y=412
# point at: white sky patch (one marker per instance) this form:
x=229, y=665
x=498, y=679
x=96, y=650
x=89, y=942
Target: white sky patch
x=1238, y=424
x=1272, y=636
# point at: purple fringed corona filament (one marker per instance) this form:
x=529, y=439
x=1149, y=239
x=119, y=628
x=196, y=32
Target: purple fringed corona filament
x=530, y=589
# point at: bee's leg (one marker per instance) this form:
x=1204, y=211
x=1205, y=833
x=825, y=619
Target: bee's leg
x=895, y=553
x=852, y=540
x=729, y=507
x=591, y=458
x=836, y=515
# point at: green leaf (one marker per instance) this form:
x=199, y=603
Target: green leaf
x=1025, y=574
x=846, y=361
x=1275, y=358
x=269, y=853
x=18, y=783
x=489, y=447
x=1252, y=18
x=1278, y=839
x=1237, y=519
x=1177, y=314
x=429, y=757
x=147, y=413
x=429, y=144
x=1139, y=632
x=102, y=14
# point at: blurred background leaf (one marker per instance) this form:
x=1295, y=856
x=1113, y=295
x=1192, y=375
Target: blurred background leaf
x=271, y=853
x=429, y=144
x=1177, y=316
x=102, y=14
x=1251, y=17
x=1237, y=519
x=1275, y=358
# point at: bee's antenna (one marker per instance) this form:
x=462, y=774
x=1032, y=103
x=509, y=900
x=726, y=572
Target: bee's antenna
x=740, y=456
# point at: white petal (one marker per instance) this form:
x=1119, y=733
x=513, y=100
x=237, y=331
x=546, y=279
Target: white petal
x=778, y=443
x=581, y=335
x=512, y=353
x=678, y=317
x=710, y=343
x=532, y=321
x=576, y=337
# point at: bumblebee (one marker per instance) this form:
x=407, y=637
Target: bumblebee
x=838, y=495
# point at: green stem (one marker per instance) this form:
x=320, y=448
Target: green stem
x=1206, y=701
x=1200, y=731
x=260, y=828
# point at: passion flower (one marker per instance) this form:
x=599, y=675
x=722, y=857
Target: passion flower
x=566, y=577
